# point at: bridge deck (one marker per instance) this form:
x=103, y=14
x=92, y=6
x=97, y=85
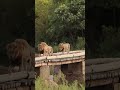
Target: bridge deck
x=59, y=58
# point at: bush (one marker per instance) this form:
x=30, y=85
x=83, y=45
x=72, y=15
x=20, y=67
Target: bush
x=110, y=45
x=40, y=85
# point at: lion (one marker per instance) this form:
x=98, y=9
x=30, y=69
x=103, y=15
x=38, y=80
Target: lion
x=64, y=47
x=47, y=50
x=20, y=54
x=40, y=50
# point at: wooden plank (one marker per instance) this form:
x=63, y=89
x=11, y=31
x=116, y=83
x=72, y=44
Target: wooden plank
x=37, y=64
x=16, y=76
x=51, y=58
x=59, y=62
x=19, y=88
x=59, y=56
x=32, y=88
x=60, y=53
x=23, y=88
x=40, y=58
x=116, y=86
x=102, y=67
x=101, y=61
x=12, y=89
x=101, y=82
x=103, y=75
x=26, y=88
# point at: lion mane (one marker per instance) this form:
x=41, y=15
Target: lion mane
x=21, y=54
x=46, y=49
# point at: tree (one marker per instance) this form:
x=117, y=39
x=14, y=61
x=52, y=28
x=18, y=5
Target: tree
x=59, y=21
x=68, y=21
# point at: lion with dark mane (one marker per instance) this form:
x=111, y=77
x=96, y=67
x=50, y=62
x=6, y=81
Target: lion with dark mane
x=21, y=54
x=47, y=50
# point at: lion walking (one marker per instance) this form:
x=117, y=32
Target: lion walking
x=47, y=50
x=64, y=47
x=21, y=54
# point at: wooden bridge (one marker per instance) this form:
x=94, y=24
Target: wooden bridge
x=103, y=72
x=59, y=58
x=71, y=64
x=97, y=72
x=26, y=80
x=18, y=81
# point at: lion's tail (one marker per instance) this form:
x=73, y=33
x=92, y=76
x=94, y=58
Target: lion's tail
x=51, y=51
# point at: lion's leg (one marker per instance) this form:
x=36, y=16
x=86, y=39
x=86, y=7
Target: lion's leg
x=22, y=65
x=47, y=53
x=68, y=50
x=51, y=52
x=44, y=53
x=30, y=66
x=10, y=67
x=39, y=54
x=64, y=50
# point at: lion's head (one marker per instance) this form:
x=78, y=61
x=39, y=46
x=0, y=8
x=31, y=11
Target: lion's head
x=19, y=51
x=61, y=46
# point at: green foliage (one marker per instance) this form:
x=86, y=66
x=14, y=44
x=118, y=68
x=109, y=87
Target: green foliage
x=68, y=22
x=40, y=84
x=80, y=44
x=59, y=21
x=41, y=20
x=105, y=3
x=16, y=22
x=60, y=78
x=109, y=46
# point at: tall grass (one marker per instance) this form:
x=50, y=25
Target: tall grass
x=41, y=84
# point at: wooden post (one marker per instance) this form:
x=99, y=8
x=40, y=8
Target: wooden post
x=116, y=86
x=23, y=88
x=32, y=88
x=83, y=70
x=44, y=72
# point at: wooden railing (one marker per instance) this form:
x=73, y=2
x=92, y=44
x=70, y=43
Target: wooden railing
x=58, y=58
x=17, y=81
x=102, y=71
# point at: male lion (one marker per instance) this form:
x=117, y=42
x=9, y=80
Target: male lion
x=20, y=54
x=47, y=50
x=64, y=47
x=40, y=50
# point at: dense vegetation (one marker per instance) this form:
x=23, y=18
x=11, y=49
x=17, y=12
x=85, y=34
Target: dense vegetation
x=16, y=21
x=41, y=84
x=102, y=28
x=60, y=21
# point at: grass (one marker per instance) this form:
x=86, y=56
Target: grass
x=41, y=84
